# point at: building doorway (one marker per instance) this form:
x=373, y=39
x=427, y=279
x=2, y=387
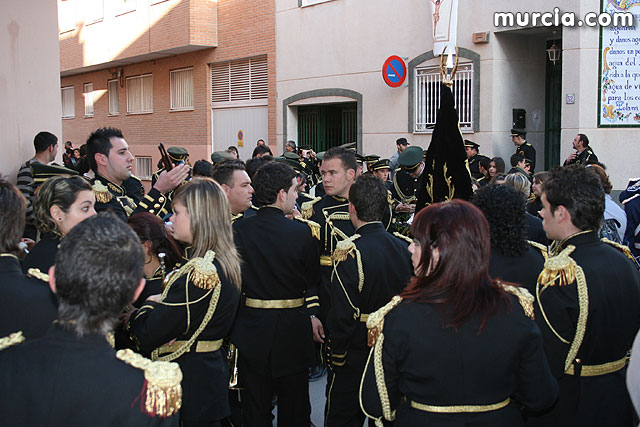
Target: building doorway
x=323, y=126
x=553, y=110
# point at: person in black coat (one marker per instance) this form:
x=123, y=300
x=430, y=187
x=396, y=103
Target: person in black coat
x=72, y=375
x=513, y=258
x=272, y=331
x=60, y=203
x=25, y=304
x=371, y=267
x=535, y=232
x=456, y=348
x=589, y=301
x=196, y=309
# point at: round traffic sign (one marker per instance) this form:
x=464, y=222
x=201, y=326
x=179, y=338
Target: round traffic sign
x=394, y=71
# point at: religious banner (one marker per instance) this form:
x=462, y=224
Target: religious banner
x=444, y=19
x=619, y=69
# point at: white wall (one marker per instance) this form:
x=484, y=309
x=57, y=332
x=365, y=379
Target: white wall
x=29, y=79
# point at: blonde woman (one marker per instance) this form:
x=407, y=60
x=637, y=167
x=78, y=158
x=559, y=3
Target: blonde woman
x=61, y=202
x=188, y=321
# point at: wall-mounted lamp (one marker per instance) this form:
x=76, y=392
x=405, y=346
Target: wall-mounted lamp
x=554, y=53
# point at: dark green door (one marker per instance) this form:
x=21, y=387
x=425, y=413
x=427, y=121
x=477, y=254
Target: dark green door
x=327, y=125
x=553, y=107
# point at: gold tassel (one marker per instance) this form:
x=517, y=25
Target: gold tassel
x=559, y=268
x=524, y=297
x=204, y=273
x=11, y=340
x=314, y=226
x=344, y=248
x=307, y=207
x=102, y=193
x=375, y=321
x=162, y=393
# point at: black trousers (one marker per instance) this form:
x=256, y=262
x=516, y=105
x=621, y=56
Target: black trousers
x=343, y=387
x=294, y=408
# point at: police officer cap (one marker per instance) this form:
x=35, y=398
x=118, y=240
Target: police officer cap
x=411, y=157
x=291, y=155
x=360, y=158
x=220, y=156
x=177, y=154
x=471, y=144
x=380, y=164
x=518, y=132
x=349, y=146
x=371, y=158
x=402, y=141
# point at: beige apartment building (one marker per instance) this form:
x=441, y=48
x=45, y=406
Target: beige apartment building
x=330, y=87
x=193, y=73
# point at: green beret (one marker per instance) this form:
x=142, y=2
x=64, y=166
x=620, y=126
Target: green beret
x=291, y=155
x=411, y=157
x=220, y=156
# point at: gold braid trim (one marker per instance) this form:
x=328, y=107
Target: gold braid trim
x=524, y=297
x=314, y=226
x=581, y=327
x=344, y=248
x=11, y=340
x=37, y=274
x=542, y=248
x=307, y=207
x=102, y=193
x=403, y=237
x=622, y=248
x=559, y=268
x=163, y=395
x=203, y=272
x=375, y=322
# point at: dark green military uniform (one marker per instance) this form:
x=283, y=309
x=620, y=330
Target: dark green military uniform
x=371, y=269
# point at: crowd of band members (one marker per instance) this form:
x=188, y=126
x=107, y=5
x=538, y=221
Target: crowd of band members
x=497, y=311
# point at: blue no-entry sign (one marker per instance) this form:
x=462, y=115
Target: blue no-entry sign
x=394, y=71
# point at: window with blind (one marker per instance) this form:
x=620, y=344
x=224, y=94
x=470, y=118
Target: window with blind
x=182, y=89
x=144, y=167
x=68, y=103
x=114, y=98
x=427, y=97
x=243, y=81
x=140, y=94
x=88, y=99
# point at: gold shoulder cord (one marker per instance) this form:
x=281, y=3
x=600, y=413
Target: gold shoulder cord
x=314, y=226
x=345, y=248
x=375, y=324
x=203, y=273
x=542, y=248
x=37, y=274
x=163, y=391
x=403, y=237
x=11, y=340
x=622, y=248
x=563, y=269
x=307, y=207
x=524, y=297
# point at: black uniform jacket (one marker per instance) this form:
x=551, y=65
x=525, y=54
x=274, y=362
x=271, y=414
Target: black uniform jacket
x=62, y=380
x=522, y=270
x=535, y=230
x=586, y=157
x=474, y=165
x=178, y=316
x=129, y=198
x=281, y=262
x=427, y=363
x=386, y=267
x=26, y=304
x=613, y=320
x=528, y=152
x=43, y=255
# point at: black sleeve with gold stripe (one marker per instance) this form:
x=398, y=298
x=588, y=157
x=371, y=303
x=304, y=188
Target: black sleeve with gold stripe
x=154, y=202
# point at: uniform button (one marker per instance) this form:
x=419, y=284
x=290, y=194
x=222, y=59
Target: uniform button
x=161, y=199
x=156, y=206
x=152, y=211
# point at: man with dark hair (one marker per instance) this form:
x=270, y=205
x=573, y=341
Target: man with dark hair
x=235, y=182
x=25, y=305
x=46, y=145
x=255, y=163
x=370, y=268
x=589, y=311
x=68, y=155
x=261, y=150
x=583, y=155
x=523, y=148
x=202, y=168
x=401, y=145
x=72, y=376
x=290, y=147
x=273, y=330
x=114, y=185
x=474, y=157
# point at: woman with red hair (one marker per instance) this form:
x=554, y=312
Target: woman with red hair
x=456, y=347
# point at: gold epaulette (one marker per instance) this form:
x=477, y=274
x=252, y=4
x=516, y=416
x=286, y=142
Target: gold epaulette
x=375, y=322
x=236, y=217
x=37, y=274
x=314, y=226
x=403, y=237
x=203, y=273
x=389, y=197
x=622, y=248
x=560, y=267
x=136, y=178
x=161, y=393
x=344, y=248
x=542, y=248
x=307, y=207
x=11, y=340
x=524, y=297
x=101, y=192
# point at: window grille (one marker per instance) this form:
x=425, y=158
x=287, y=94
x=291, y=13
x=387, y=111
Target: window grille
x=239, y=80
